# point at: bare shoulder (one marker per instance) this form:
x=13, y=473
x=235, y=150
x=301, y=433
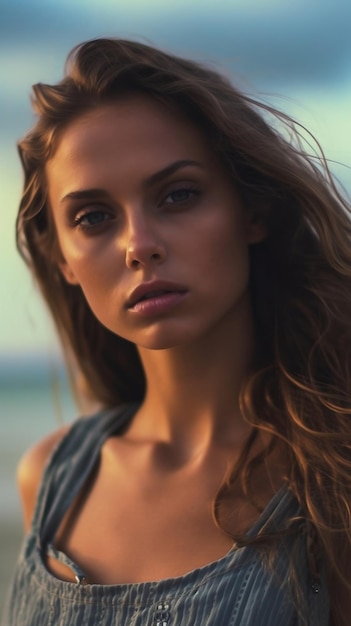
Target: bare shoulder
x=30, y=470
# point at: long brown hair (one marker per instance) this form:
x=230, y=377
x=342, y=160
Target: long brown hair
x=300, y=274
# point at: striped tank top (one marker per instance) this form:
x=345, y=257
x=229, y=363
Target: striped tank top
x=237, y=589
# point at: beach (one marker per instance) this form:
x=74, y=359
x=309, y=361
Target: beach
x=11, y=534
x=34, y=400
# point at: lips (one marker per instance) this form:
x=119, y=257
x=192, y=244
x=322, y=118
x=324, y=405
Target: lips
x=153, y=289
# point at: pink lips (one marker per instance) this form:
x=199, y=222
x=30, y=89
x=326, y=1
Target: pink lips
x=155, y=297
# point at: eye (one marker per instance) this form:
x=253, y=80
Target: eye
x=181, y=195
x=90, y=219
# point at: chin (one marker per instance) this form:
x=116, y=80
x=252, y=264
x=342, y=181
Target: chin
x=158, y=344
x=157, y=339
x=165, y=334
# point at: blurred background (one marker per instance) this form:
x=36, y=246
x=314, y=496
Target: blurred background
x=296, y=56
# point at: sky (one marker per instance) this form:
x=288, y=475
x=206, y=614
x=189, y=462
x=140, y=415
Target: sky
x=295, y=55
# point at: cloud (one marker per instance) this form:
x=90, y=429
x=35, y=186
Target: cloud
x=296, y=42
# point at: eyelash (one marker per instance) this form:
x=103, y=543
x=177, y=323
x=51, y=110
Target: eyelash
x=78, y=220
x=80, y=217
x=192, y=191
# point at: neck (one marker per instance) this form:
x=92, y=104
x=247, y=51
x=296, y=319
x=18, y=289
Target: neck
x=192, y=395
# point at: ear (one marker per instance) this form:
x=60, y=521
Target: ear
x=67, y=273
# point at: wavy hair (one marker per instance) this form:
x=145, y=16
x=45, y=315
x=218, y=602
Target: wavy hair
x=298, y=390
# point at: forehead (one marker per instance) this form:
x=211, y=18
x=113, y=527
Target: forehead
x=135, y=124
x=120, y=144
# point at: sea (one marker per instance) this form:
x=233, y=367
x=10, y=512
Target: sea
x=35, y=399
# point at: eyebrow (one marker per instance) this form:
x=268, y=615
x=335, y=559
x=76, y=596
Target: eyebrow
x=88, y=194
x=169, y=170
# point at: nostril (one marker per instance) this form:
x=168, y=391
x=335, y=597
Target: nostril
x=150, y=252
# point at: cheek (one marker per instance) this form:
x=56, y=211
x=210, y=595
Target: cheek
x=100, y=299
x=94, y=277
x=90, y=261
x=97, y=282
x=226, y=251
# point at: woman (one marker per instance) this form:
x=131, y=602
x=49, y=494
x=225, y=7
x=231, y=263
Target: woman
x=197, y=266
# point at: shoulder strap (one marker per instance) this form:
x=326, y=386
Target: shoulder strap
x=70, y=465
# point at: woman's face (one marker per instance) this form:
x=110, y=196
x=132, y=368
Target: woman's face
x=149, y=224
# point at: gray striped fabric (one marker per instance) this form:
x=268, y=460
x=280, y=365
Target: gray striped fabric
x=239, y=588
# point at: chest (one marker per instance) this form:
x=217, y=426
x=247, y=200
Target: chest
x=236, y=590
x=127, y=527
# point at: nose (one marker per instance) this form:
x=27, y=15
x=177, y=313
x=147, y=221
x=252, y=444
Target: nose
x=143, y=245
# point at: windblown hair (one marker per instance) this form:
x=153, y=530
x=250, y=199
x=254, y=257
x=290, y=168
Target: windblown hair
x=298, y=389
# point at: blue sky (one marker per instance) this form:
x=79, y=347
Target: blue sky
x=298, y=52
